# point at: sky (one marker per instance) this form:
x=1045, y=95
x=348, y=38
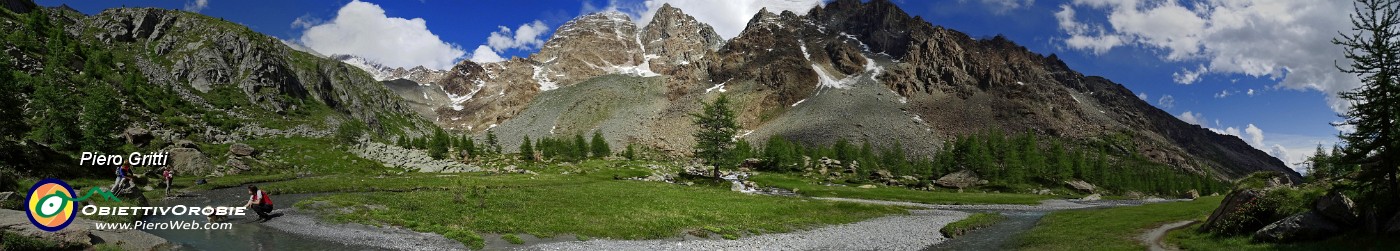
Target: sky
x=1261, y=70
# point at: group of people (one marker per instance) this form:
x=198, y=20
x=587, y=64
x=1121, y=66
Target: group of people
x=258, y=200
x=124, y=178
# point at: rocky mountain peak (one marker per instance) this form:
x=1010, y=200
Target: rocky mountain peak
x=419, y=74
x=678, y=44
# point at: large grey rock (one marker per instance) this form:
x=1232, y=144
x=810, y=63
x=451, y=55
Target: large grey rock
x=960, y=179
x=1191, y=194
x=1238, y=213
x=1080, y=185
x=1394, y=224
x=1300, y=227
x=190, y=161
x=137, y=136
x=1337, y=207
x=240, y=149
x=81, y=233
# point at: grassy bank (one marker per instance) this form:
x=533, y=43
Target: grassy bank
x=1109, y=228
x=974, y=221
x=1188, y=238
x=462, y=206
x=810, y=188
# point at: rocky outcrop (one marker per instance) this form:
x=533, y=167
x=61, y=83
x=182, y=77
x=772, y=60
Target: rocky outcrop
x=19, y=6
x=199, y=57
x=241, y=150
x=80, y=234
x=1300, y=227
x=1337, y=207
x=960, y=179
x=409, y=159
x=189, y=161
x=137, y=136
x=1239, y=212
x=1081, y=185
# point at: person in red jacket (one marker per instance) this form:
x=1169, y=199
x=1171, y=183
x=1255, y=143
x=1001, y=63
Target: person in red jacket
x=259, y=202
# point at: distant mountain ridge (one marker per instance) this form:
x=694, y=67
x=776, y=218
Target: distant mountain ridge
x=862, y=71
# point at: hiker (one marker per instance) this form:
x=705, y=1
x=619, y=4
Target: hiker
x=168, y=177
x=123, y=171
x=259, y=202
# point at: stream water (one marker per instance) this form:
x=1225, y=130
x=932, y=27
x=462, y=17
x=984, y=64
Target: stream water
x=994, y=237
x=245, y=235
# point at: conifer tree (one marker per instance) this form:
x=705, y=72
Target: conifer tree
x=714, y=142
x=1374, y=145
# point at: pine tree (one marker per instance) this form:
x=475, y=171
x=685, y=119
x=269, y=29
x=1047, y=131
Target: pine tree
x=437, y=145
x=714, y=142
x=55, y=121
x=527, y=152
x=11, y=105
x=600, y=146
x=1374, y=145
x=100, y=119
x=580, y=148
x=494, y=146
x=630, y=153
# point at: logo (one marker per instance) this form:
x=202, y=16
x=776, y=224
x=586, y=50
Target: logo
x=51, y=204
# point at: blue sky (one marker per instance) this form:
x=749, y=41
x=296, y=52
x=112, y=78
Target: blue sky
x=1151, y=46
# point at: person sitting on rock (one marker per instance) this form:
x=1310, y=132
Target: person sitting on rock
x=259, y=202
x=123, y=171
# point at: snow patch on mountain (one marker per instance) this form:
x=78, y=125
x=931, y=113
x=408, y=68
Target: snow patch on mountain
x=826, y=80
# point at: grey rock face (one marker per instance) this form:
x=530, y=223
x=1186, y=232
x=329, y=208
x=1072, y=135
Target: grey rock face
x=190, y=161
x=960, y=179
x=1337, y=207
x=1301, y=227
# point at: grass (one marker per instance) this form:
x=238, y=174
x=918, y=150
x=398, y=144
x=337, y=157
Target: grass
x=1187, y=238
x=1109, y=228
x=974, y=221
x=808, y=188
x=14, y=241
x=548, y=205
x=512, y=239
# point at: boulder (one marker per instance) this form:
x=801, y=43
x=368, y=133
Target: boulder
x=240, y=149
x=1092, y=197
x=1338, y=208
x=959, y=179
x=882, y=176
x=189, y=161
x=867, y=186
x=235, y=166
x=186, y=144
x=1239, y=213
x=137, y=136
x=1191, y=194
x=1394, y=224
x=1080, y=185
x=1301, y=227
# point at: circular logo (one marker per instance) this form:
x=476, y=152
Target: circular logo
x=50, y=204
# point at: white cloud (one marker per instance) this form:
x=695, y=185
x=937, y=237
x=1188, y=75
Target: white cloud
x=1284, y=40
x=1250, y=92
x=1166, y=101
x=1085, y=36
x=1224, y=94
x=362, y=29
x=1187, y=77
x=306, y=22
x=483, y=54
x=196, y=5
x=1193, y=118
x=1142, y=96
x=728, y=18
x=1003, y=6
x=527, y=37
x=1256, y=136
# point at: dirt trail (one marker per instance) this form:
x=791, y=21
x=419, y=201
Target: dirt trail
x=1153, y=238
